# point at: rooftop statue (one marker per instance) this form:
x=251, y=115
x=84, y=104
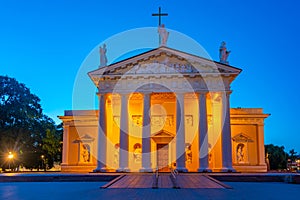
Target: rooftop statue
x=163, y=34
x=103, y=58
x=224, y=53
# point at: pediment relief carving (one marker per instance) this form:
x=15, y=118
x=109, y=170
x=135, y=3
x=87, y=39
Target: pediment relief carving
x=166, y=64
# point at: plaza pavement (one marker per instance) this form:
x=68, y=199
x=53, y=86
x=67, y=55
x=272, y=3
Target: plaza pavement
x=91, y=190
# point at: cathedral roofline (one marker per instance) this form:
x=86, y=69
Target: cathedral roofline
x=167, y=49
x=199, y=64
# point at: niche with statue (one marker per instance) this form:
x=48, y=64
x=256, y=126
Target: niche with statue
x=240, y=147
x=85, y=144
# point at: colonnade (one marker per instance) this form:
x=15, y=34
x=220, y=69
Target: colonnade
x=180, y=134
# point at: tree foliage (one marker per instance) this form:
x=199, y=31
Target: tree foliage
x=23, y=126
x=293, y=155
x=277, y=156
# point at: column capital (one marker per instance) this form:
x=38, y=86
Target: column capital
x=201, y=92
x=66, y=125
x=124, y=94
x=101, y=94
x=146, y=93
x=180, y=96
x=227, y=92
x=125, y=97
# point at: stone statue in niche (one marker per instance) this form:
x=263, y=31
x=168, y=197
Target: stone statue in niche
x=240, y=153
x=188, y=153
x=103, y=58
x=137, y=153
x=86, y=153
x=224, y=53
x=163, y=34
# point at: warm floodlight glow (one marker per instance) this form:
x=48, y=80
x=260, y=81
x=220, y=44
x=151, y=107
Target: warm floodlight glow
x=10, y=155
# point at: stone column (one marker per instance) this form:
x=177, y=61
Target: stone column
x=261, y=145
x=203, y=134
x=123, y=156
x=146, y=135
x=102, y=140
x=226, y=134
x=180, y=136
x=65, y=154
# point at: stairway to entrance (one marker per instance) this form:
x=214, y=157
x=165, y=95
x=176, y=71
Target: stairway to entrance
x=164, y=181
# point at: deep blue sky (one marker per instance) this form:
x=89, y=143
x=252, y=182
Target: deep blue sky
x=43, y=43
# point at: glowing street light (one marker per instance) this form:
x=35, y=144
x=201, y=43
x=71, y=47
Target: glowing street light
x=10, y=158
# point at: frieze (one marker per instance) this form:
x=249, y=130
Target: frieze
x=165, y=65
x=162, y=120
x=246, y=120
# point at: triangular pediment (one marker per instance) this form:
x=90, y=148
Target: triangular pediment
x=162, y=134
x=85, y=138
x=163, y=60
x=242, y=138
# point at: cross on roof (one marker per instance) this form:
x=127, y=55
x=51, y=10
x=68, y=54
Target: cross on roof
x=159, y=15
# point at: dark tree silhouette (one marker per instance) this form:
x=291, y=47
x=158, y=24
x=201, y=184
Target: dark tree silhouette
x=277, y=156
x=23, y=126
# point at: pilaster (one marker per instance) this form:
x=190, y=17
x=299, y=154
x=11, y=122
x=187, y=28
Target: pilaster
x=65, y=154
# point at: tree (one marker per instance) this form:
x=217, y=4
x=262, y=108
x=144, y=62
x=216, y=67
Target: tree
x=52, y=147
x=277, y=156
x=293, y=155
x=23, y=126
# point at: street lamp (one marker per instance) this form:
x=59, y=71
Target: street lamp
x=42, y=157
x=10, y=157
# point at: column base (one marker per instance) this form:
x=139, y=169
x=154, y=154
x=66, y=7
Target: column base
x=203, y=170
x=182, y=169
x=146, y=170
x=97, y=170
x=123, y=170
x=229, y=170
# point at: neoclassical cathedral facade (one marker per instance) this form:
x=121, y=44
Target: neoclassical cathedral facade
x=160, y=110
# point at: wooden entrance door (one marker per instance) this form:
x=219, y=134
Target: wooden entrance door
x=163, y=157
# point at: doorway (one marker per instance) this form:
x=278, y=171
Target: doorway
x=163, y=157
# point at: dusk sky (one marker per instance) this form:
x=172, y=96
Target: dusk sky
x=44, y=43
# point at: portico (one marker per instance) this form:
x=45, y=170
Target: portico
x=166, y=92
